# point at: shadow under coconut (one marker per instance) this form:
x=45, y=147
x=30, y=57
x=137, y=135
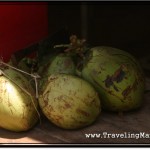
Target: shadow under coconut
x=4, y=133
x=44, y=132
x=9, y=137
x=135, y=121
x=47, y=133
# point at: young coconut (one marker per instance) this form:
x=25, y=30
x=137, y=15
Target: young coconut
x=69, y=102
x=117, y=76
x=61, y=63
x=18, y=106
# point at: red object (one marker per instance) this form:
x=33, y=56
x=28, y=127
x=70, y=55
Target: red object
x=21, y=24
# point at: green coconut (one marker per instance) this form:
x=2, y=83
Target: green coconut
x=18, y=106
x=60, y=63
x=69, y=102
x=117, y=76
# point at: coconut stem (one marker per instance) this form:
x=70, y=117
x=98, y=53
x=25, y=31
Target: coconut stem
x=76, y=45
x=36, y=87
x=62, y=46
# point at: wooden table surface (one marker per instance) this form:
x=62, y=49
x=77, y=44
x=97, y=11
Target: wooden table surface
x=134, y=122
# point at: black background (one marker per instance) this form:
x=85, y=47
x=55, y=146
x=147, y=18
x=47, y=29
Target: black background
x=124, y=25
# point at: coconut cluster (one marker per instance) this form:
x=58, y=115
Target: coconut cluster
x=74, y=87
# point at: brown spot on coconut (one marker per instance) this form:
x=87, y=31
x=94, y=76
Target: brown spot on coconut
x=121, y=84
x=18, y=109
x=72, y=108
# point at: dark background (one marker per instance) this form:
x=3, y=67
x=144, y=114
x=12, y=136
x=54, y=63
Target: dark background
x=124, y=25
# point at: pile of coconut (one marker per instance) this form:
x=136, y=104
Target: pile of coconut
x=70, y=88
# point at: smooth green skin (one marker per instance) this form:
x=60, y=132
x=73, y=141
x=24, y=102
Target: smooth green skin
x=17, y=112
x=105, y=61
x=69, y=102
